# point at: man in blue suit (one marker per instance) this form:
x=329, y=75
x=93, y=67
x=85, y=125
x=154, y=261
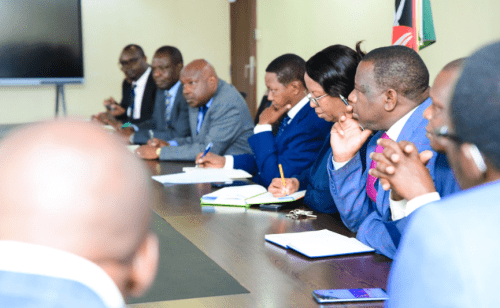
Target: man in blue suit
x=401, y=168
x=300, y=134
x=74, y=229
x=449, y=253
x=390, y=95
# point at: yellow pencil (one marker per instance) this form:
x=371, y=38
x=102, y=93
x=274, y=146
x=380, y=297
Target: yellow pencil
x=282, y=176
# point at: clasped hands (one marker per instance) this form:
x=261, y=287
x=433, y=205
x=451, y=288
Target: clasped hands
x=149, y=151
x=401, y=168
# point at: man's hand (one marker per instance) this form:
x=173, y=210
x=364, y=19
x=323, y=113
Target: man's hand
x=347, y=137
x=158, y=143
x=147, y=152
x=113, y=107
x=107, y=119
x=210, y=160
x=271, y=114
x=277, y=189
x=402, y=169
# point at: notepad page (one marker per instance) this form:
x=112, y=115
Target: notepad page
x=268, y=198
x=323, y=248
x=284, y=239
x=237, y=192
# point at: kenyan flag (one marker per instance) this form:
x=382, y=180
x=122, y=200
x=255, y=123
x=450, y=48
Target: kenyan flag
x=413, y=26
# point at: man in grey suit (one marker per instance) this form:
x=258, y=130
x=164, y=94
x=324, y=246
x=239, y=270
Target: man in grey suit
x=217, y=114
x=170, y=116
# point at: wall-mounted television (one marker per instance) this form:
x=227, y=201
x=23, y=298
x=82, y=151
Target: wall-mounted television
x=40, y=42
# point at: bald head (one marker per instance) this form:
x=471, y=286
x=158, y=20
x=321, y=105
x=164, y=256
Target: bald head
x=71, y=186
x=200, y=82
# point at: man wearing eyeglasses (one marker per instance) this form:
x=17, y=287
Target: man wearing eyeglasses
x=449, y=252
x=300, y=132
x=138, y=90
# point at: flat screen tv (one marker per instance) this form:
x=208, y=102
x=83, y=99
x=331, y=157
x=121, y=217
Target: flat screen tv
x=40, y=42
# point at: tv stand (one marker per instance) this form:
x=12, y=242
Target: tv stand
x=60, y=93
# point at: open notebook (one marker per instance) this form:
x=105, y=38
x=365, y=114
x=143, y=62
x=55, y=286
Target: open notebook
x=246, y=196
x=316, y=244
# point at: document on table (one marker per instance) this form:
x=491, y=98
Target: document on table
x=201, y=175
x=246, y=196
x=316, y=244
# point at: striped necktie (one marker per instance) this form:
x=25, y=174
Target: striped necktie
x=370, y=181
x=168, y=106
x=130, y=109
x=283, y=125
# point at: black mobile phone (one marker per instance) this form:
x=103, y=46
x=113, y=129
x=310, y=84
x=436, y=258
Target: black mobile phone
x=349, y=295
x=226, y=184
x=271, y=206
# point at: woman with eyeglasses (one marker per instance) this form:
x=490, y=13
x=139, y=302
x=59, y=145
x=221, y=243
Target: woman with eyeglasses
x=329, y=79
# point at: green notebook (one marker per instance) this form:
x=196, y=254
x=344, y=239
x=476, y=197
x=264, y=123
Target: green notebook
x=245, y=196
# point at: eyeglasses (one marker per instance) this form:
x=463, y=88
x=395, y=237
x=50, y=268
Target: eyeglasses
x=315, y=99
x=129, y=62
x=443, y=132
x=473, y=150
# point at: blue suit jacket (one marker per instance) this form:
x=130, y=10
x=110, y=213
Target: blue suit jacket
x=449, y=253
x=315, y=181
x=177, y=127
x=372, y=220
x=295, y=149
x=28, y=290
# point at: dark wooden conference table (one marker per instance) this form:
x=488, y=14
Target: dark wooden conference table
x=234, y=239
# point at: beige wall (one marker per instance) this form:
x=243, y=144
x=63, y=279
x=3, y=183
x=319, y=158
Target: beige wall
x=200, y=29
x=306, y=26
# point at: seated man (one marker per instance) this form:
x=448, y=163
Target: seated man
x=390, y=95
x=329, y=77
x=74, y=229
x=401, y=168
x=170, y=116
x=448, y=256
x=300, y=135
x=218, y=114
x=138, y=91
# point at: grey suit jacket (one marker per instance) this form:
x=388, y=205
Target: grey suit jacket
x=227, y=124
x=178, y=126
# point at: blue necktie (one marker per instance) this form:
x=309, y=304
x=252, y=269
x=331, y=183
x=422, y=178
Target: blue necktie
x=168, y=107
x=283, y=125
x=201, y=117
x=130, y=109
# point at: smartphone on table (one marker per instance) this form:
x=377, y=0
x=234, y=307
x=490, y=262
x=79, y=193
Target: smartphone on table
x=349, y=295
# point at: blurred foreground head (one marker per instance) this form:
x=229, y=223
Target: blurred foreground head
x=70, y=185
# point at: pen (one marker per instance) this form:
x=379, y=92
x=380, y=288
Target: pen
x=344, y=100
x=125, y=125
x=209, y=146
x=282, y=176
x=151, y=135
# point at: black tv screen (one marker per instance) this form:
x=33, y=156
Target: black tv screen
x=40, y=42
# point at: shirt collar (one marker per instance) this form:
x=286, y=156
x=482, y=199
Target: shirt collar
x=28, y=258
x=143, y=79
x=208, y=104
x=173, y=90
x=396, y=128
x=295, y=109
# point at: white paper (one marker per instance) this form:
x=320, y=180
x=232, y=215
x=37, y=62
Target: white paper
x=236, y=195
x=133, y=147
x=321, y=243
x=202, y=175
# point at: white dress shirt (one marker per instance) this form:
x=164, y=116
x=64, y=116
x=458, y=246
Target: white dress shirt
x=259, y=128
x=27, y=258
x=140, y=87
